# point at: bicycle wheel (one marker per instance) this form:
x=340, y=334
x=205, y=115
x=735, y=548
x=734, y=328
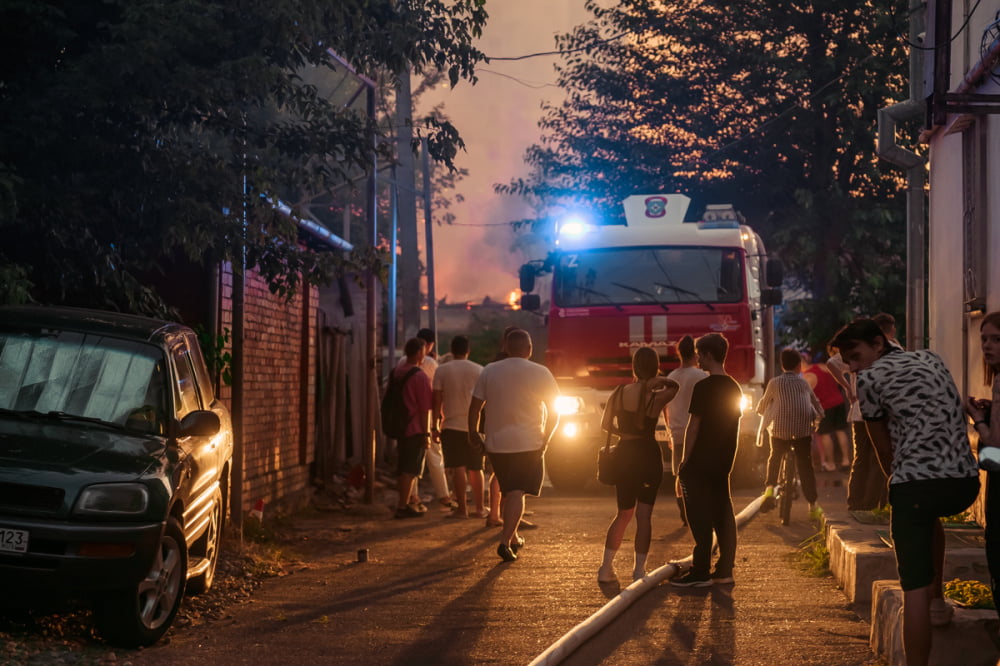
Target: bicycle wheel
x=787, y=481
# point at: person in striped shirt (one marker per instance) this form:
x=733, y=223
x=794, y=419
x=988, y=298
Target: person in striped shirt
x=790, y=411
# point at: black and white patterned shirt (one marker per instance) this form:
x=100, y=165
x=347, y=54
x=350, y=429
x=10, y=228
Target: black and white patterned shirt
x=789, y=407
x=916, y=395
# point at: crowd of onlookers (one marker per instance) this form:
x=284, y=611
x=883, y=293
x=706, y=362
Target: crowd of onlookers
x=892, y=418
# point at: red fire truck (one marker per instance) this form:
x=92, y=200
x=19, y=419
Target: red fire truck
x=648, y=283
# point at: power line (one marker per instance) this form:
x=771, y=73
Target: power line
x=526, y=84
x=562, y=51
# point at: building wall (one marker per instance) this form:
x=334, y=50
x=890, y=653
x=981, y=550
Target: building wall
x=279, y=391
x=964, y=169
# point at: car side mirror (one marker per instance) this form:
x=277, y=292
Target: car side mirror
x=775, y=273
x=770, y=297
x=201, y=423
x=526, y=278
x=531, y=302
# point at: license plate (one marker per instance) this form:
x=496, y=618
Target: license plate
x=13, y=541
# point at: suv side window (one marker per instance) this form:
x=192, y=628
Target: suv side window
x=200, y=370
x=185, y=387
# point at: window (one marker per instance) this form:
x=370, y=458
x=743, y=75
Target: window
x=185, y=389
x=643, y=275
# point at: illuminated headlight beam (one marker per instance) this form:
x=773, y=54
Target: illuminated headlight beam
x=567, y=405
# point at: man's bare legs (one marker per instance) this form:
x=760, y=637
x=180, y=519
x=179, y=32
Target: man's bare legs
x=458, y=482
x=475, y=477
x=917, y=626
x=512, y=509
x=404, y=486
x=494, y=518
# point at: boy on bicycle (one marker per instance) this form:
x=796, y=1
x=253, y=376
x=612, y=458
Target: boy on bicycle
x=790, y=411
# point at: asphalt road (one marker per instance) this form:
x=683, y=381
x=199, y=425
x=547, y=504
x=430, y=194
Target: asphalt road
x=434, y=592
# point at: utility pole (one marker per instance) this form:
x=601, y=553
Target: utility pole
x=429, y=233
x=409, y=260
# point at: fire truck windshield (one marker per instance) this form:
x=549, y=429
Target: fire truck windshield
x=658, y=276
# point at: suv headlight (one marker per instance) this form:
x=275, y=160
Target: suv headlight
x=126, y=499
x=568, y=404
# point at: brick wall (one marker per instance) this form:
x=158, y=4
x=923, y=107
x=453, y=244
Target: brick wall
x=279, y=389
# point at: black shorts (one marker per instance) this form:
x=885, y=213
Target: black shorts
x=519, y=471
x=640, y=470
x=411, y=455
x=458, y=452
x=834, y=419
x=916, y=506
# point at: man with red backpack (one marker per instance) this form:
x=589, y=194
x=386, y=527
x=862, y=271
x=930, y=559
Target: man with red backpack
x=415, y=436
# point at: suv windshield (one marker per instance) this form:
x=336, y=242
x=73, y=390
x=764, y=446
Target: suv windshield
x=660, y=275
x=92, y=376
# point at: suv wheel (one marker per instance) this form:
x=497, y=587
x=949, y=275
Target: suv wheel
x=141, y=614
x=207, y=549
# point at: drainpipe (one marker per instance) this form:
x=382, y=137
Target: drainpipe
x=916, y=178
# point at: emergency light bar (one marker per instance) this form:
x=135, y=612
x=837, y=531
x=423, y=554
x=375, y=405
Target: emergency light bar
x=720, y=216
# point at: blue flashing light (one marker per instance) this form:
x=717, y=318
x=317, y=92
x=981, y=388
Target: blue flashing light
x=574, y=225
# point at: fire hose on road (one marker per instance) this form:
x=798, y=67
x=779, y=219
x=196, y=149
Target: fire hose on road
x=582, y=632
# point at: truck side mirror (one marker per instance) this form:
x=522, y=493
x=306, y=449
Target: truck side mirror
x=526, y=276
x=775, y=273
x=531, y=302
x=771, y=296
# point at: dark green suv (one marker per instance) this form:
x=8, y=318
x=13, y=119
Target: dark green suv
x=115, y=459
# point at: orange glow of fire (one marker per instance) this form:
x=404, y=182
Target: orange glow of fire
x=514, y=300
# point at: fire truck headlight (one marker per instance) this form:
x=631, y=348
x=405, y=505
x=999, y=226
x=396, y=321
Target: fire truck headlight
x=570, y=430
x=746, y=402
x=567, y=405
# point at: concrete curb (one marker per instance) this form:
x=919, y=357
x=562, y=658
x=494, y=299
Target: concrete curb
x=579, y=634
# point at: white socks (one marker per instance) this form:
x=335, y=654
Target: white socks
x=639, y=570
x=606, y=573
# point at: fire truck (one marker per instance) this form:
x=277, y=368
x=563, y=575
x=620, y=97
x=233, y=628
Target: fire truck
x=648, y=283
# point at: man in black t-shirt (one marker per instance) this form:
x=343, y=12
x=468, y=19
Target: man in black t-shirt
x=709, y=450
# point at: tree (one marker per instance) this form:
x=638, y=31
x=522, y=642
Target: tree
x=130, y=129
x=769, y=106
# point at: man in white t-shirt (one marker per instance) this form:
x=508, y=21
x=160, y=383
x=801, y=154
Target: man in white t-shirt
x=686, y=377
x=453, y=384
x=522, y=417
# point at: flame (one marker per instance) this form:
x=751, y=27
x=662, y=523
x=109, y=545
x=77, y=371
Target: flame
x=514, y=299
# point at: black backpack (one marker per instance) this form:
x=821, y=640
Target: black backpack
x=394, y=414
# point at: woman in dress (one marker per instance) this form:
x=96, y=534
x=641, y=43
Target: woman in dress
x=631, y=413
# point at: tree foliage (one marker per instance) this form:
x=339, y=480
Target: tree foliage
x=131, y=130
x=770, y=106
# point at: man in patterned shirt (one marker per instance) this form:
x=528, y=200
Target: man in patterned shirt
x=789, y=411
x=914, y=415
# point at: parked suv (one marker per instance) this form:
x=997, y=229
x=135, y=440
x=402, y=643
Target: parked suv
x=115, y=459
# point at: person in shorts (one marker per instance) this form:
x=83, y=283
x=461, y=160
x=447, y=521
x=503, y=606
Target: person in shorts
x=520, y=398
x=686, y=377
x=916, y=421
x=453, y=383
x=631, y=413
x=416, y=437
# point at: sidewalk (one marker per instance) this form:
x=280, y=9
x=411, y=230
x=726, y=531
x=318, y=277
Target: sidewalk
x=865, y=566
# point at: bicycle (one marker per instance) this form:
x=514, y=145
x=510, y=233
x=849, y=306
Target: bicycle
x=787, y=488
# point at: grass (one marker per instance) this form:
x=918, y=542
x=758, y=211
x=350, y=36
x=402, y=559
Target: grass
x=813, y=555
